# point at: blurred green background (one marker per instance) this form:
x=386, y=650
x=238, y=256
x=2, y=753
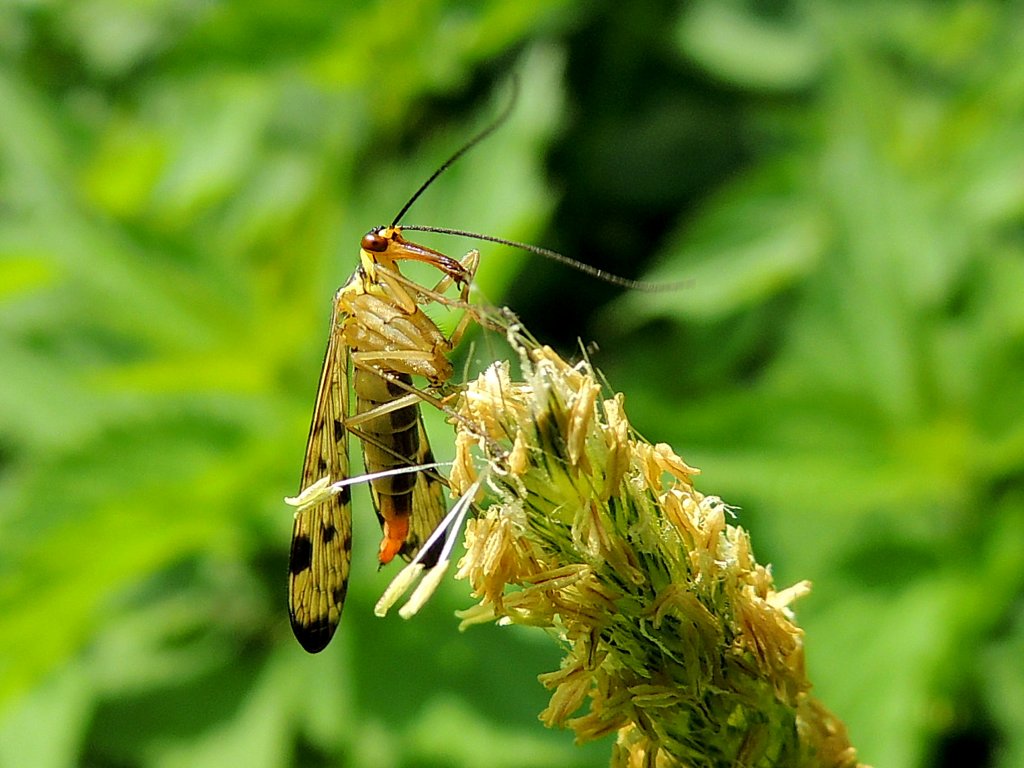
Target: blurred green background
x=183, y=186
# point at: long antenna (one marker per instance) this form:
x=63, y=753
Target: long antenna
x=561, y=258
x=487, y=131
x=587, y=269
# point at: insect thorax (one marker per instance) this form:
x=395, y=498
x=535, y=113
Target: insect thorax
x=386, y=336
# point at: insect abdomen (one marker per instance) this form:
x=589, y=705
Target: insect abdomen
x=390, y=441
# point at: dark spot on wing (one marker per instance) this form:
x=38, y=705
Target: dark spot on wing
x=345, y=495
x=346, y=545
x=302, y=554
x=321, y=465
x=313, y=635
x=338, y=595
x=339, y=431
x=329, y=533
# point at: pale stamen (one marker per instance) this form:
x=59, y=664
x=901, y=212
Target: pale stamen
x=323, y=488
x=450, y=528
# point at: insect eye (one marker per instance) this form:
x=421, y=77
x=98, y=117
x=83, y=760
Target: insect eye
x=372, y=241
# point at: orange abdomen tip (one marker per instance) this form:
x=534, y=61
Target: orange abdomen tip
x=395, y=532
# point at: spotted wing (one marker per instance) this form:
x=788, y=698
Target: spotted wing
x=321, y=550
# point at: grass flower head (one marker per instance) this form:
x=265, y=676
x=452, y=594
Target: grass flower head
x=676, y=638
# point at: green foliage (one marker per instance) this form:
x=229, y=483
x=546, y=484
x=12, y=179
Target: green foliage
x=182, y=187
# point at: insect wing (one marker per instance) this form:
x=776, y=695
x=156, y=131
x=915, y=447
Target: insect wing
x=321, y=549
